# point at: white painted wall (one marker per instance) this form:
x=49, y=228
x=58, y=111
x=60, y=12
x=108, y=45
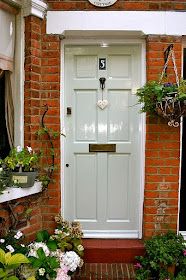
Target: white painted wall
x=168, y=23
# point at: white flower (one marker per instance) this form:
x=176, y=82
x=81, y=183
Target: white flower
x=41, y=271
x=58, y=231
x=22, y=245
x=1, y=169
x=29, y=149
x=18, y=235
x=10, y=248
x=19, y=149
x=2, y=240
x=71, y=260
x=80, y=247
x=35, y=246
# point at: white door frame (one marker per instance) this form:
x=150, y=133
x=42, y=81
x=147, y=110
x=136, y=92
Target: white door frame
x=140, y=42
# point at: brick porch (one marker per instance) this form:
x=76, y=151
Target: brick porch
x=105, y=271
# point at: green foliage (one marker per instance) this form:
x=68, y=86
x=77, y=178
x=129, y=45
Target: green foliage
x=10, y=262
x=45, y=131
x=41, y=259
x=148, y=95
x=182, y=90
x=48, y=263
x=154, y=91
x=12, y=239
x=5, y=179
x=21, y=159
x=162, y=251
x=44, y=236
x=68, y=236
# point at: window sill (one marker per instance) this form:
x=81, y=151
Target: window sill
x=14, y=193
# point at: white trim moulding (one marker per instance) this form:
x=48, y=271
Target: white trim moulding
x=34, y=7
x=145, y=21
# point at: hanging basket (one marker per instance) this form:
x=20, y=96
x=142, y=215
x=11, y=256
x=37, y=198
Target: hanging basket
x=172, y=109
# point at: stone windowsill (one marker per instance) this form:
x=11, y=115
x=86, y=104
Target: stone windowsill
x=14, y=193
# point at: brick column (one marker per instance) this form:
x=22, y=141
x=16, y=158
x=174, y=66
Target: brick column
x=42, y=86
x=162, y=149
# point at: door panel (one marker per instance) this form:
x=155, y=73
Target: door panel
x=102, y=189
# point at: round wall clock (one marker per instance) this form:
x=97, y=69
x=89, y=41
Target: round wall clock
x=102, y=3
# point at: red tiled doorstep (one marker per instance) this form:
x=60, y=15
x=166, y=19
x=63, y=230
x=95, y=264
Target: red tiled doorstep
x=112, y=250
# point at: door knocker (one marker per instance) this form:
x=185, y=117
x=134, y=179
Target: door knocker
x=102, y=103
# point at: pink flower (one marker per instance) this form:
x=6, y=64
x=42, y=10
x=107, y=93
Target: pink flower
x=62, y=275
x=184, y=252
x=138, y=266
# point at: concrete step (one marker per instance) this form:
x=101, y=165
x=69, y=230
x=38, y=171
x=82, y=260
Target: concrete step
x=112, y=250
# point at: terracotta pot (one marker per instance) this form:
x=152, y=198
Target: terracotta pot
x=171, y=269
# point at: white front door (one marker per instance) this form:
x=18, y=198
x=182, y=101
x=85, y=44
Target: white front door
x=102, y=188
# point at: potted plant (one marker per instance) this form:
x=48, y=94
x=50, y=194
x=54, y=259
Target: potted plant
x=164, y=98
x=22, y=163
x=165, y=258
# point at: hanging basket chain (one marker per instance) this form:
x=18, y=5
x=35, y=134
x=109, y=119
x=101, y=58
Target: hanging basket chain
x=171, y=54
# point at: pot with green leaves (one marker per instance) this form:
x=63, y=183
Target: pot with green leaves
x=22, y=164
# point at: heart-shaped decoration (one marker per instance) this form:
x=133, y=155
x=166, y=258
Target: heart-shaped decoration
x=102, y=104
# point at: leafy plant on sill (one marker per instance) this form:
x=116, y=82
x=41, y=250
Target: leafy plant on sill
x=162, y=252
x=21, y=159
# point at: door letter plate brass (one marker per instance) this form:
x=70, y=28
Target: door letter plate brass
x=102, y=147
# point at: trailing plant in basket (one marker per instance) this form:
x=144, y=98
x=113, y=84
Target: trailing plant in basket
x=165, y=258
x=154, y=91
x=166, y=99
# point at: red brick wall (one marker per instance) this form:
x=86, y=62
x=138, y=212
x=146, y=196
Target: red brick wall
x=162, y=148
x=42, y=67
x=162, y=142
x=123, y=5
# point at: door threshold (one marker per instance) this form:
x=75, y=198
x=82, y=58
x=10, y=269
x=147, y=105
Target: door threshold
x=118, y=234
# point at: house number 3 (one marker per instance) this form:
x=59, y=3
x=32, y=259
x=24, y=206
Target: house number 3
x=102, y=63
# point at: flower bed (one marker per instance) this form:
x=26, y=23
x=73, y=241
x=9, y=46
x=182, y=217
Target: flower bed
x=49, y=256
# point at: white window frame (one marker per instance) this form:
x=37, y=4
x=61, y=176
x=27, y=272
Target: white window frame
x=181, y=143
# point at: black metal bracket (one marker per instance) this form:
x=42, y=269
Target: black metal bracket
x=166, y=54
x=102, y=82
